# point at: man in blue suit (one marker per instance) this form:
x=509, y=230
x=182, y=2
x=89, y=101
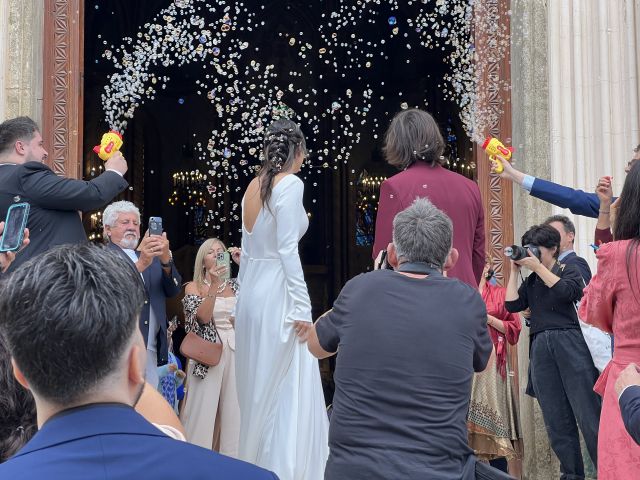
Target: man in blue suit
x=628, y=390
x=579, y=202
x=152, y=259
x=567, y=231
x=70, y=318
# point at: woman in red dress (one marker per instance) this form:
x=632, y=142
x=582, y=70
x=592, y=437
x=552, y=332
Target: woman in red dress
x=492, y=420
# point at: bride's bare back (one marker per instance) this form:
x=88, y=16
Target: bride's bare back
x=252, y=203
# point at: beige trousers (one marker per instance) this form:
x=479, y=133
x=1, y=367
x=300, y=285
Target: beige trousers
x=211, y=415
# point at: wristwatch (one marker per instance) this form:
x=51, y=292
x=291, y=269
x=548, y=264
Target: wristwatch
x=169, y=263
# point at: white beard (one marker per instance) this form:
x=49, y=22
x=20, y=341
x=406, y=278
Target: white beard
x=129, y=243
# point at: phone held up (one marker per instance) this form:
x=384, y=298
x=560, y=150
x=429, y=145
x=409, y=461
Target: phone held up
x=384, y=264
x=224, y=259
x=14, y=226
x=155, y=226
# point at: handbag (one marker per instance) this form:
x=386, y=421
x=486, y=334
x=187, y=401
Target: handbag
x=598, y=343
x=200, y=350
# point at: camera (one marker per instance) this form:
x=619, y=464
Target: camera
x=516, y=252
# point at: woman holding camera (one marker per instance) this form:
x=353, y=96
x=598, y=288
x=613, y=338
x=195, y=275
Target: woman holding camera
x=211, y=415
x=561, y=371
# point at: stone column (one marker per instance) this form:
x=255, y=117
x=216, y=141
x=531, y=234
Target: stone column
x=21, y=37
x=530, y=117
x=593, y=96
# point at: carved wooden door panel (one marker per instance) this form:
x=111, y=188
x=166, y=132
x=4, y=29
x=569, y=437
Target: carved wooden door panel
x=63, y=84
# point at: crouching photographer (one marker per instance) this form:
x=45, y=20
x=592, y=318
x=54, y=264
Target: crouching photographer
x=409, y=341
x=561, y=371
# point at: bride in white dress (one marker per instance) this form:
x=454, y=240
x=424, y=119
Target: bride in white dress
x=283, y=424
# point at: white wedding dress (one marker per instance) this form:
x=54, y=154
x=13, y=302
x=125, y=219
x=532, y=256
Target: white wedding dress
x=284, y=424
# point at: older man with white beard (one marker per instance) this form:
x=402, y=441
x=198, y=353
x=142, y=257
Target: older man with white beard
x=152, y=258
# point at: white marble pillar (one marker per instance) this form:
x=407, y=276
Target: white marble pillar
x=594, y=109
x=21, y=37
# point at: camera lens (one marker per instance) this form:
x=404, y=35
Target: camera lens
x=516, y=252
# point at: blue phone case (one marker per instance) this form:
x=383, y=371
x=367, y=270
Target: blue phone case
x=10, y=227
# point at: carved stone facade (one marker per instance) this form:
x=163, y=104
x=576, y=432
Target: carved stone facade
x=530, y=108
x=21, y=38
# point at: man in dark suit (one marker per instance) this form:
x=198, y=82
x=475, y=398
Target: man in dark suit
x=628, y=390
x=578, y=201
x=70, y=321
x=151, y=258
x=55, y=201
x=567, y=231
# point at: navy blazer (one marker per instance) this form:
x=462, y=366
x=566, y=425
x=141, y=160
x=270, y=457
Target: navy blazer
x=578, y=201
x=114, y=442
x=158, y=287
x=55, y=202
x=630, y=409
x=581, y=265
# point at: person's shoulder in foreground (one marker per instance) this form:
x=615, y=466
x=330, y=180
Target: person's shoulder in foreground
x=112, y=442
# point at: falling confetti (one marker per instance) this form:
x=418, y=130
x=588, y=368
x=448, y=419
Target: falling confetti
x=247, y=92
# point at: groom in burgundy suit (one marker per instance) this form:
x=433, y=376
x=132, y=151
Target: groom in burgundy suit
x=414, y=144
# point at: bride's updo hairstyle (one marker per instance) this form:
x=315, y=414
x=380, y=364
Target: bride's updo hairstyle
x=283, y=140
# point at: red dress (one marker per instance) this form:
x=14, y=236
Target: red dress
x=492, y=419
x=610, y=305
x=494, y=298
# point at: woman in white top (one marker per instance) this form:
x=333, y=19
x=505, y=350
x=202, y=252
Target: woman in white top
x=284, y=423
x=211, y=415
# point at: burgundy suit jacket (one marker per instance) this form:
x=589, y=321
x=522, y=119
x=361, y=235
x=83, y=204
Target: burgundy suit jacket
x=455, y=195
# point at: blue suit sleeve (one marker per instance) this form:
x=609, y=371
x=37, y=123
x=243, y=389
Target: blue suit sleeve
x=578, y=201
x=583, y=267
x=171, y=283
x=630, y=409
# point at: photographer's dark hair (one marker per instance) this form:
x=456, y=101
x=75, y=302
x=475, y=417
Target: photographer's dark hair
x=67, y=316
x=19, y=128
x=413, y=136
x=542, y=236
x=283, y=140
x=627, y=223
x=18, y=409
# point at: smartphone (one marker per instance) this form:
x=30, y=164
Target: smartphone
x=223, y=258
x=14, y=226
x=384, y=264
x=155, y=226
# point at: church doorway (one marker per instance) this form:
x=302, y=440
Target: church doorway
x=343, y=66
x=178, y=111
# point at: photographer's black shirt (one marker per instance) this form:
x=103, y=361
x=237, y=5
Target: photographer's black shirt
x=407, y=352
x=551, y=308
